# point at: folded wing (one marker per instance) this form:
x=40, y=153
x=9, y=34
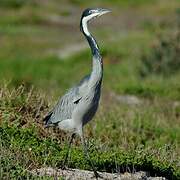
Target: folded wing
x=66, y=104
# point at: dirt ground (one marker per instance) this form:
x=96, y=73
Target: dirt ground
x=84, y=174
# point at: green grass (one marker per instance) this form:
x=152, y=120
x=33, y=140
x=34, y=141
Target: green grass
x=16, y=4
x=120, y=76
x=141, y=140
x=122, y=137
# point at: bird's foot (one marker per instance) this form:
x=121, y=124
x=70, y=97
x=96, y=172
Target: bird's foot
x=63, y=167
x=97, y=175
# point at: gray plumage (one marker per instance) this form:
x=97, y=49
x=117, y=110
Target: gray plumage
x=82, y=100
x=66, y=104
x=80, y=103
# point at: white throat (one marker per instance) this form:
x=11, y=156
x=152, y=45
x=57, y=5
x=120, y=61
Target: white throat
x=84, y=22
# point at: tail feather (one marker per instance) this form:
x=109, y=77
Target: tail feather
x=47, y=120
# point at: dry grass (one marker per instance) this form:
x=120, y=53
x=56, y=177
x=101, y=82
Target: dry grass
x=143, y=137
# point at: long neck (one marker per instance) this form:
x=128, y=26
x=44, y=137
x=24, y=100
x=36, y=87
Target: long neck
x=97, y=65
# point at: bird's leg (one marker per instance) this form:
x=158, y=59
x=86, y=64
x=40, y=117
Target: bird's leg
x=88, y=157
x=67, y=153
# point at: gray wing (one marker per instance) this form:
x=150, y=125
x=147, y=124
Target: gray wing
x=65, y=106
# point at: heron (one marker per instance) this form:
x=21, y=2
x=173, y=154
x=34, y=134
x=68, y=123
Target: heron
x=79, y=105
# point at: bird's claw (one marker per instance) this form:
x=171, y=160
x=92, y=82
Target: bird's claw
x=63, y=167
x=97, y=175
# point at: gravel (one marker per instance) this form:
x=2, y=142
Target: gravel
x=69, y=174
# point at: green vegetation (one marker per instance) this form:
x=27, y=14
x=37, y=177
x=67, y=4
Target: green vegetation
x=140, y=140
x=12, y=3
x=164, y=57
x=33, y=74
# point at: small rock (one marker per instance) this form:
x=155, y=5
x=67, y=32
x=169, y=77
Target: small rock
x=127, y=99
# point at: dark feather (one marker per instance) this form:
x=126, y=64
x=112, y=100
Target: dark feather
x=77, y=101
x=47, y=118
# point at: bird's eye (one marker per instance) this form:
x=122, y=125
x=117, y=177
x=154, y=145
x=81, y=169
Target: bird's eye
x=92, y=11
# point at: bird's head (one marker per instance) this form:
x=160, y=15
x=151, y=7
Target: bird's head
x=91, y=13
